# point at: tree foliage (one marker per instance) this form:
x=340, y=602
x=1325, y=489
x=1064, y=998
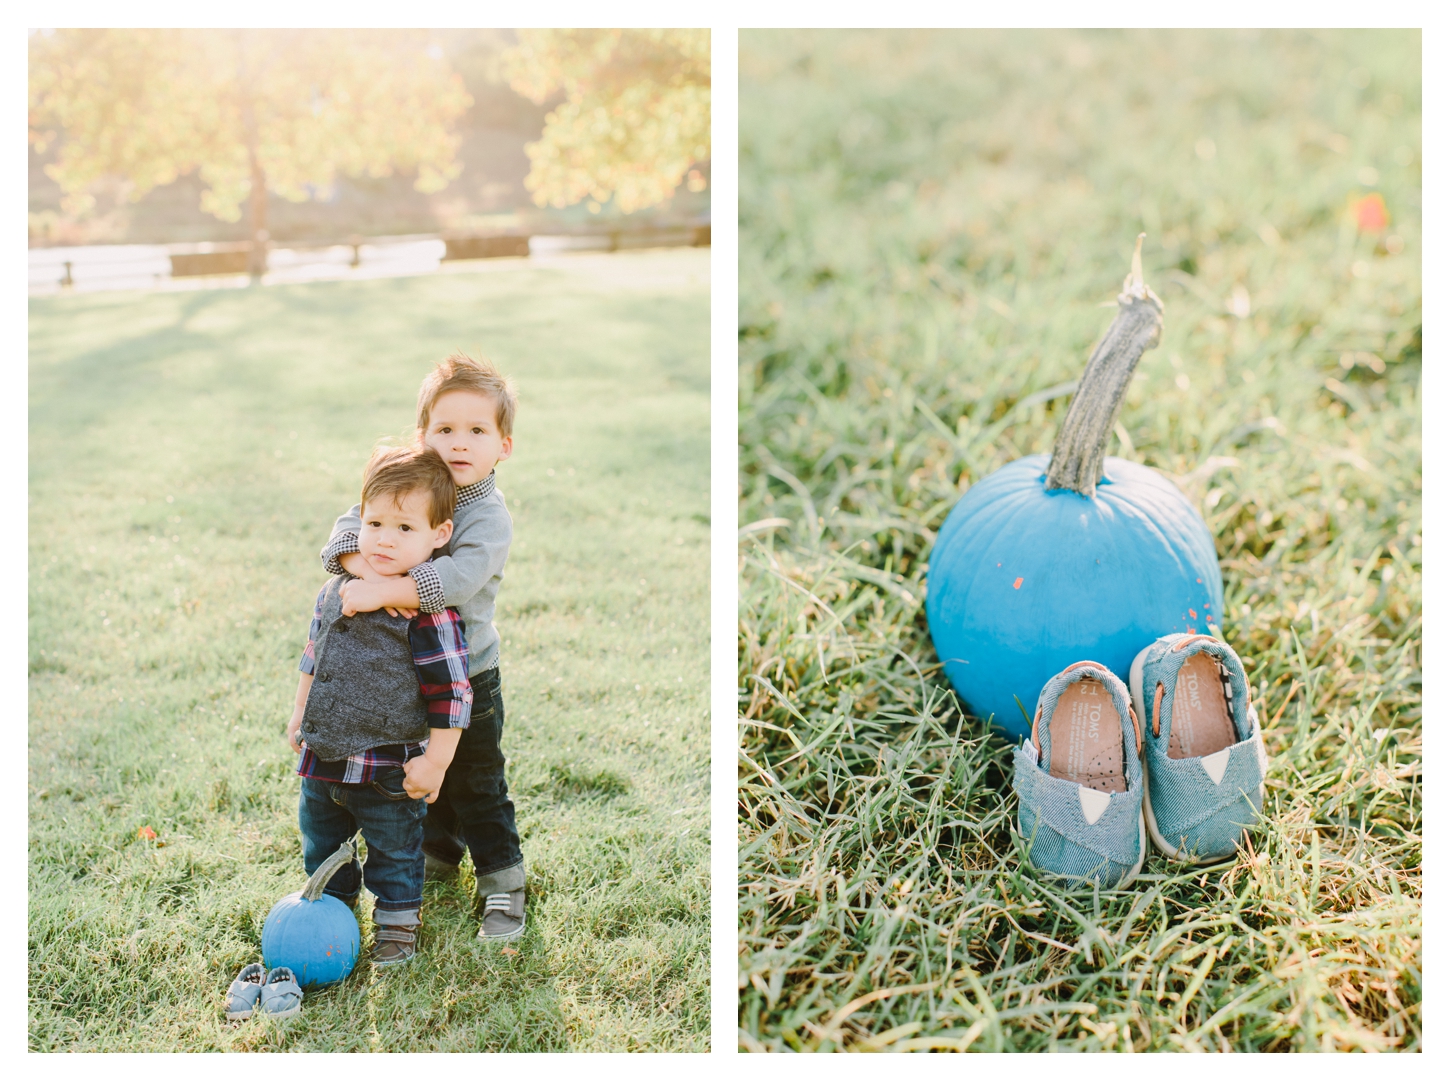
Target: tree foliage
x=250, y=110
x=634, y=119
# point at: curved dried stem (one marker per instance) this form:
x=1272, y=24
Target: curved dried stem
x=346, y=853
x=1082, y=442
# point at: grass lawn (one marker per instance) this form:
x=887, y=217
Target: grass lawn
x=188, y=453
x=931, y=224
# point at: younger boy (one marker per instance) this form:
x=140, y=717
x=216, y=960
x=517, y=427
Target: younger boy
x=466, y=414
x=380, y=693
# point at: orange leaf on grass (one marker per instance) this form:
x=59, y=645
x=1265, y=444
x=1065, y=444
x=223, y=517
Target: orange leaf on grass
x=146, y=833
x=510, y=951
x=1371, y=214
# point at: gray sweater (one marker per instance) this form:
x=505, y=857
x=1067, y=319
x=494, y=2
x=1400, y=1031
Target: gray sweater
x=464, y=574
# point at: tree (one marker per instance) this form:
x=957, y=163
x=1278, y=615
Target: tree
x=252, y=110
x=634, y=119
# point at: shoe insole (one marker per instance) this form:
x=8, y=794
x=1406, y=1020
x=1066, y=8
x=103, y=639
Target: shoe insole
x=1086, y=735
x=1201, y=723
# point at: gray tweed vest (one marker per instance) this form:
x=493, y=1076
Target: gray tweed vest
x=364, y=686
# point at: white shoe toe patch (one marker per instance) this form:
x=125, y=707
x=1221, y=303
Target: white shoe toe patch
x=1094, y=803
x=1215, y=764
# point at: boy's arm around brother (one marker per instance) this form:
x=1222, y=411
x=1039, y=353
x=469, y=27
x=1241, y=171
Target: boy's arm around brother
x=466, y=576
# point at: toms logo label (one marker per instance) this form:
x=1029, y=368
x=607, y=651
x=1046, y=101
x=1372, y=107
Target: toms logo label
x=1190, y=681
x=1091, y=712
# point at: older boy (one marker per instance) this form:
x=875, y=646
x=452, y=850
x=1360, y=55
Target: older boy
x=381, y=702
x=465, y=413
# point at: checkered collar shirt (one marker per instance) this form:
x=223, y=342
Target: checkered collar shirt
x=479, y=489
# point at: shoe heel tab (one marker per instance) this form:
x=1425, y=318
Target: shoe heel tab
x=1188, y=640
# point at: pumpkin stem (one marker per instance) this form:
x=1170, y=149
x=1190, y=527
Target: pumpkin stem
x=1082, y=442
x=330, y=866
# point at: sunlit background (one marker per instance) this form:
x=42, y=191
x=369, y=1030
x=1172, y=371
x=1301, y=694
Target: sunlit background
x=168, y=157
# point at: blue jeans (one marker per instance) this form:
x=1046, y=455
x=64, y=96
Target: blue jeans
x=473, y=808
x=392, y=825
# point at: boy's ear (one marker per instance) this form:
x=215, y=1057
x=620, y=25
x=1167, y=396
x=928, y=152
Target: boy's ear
x=442, y=533
x=506, y=448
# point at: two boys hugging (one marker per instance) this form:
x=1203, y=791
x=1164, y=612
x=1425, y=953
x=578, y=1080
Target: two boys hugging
x=398, y=714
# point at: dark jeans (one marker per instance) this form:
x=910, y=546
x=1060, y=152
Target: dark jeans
x=473, y=809
x=391, y=823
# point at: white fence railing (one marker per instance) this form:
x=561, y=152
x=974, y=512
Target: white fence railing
x=148, y=266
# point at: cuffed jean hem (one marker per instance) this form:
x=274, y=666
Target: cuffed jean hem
x=402, y=917
x=503, y=880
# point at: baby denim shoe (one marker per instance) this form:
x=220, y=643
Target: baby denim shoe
x=1205, y=755
x=1079, y=782
x=282, y=994
x=244, y=992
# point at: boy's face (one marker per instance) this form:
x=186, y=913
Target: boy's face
x=463, y=429
x=396, y=537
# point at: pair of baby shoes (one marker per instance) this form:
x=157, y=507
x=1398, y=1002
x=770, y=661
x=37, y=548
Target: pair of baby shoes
x=255, y=990
x=1094, y=782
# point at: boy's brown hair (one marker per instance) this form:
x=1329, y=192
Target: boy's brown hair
x=462, y=372
x=395, y=472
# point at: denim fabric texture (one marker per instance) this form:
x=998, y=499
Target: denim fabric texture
x=1196, y=818
x=329, y=813
x=1050, y=812
x=473, y=809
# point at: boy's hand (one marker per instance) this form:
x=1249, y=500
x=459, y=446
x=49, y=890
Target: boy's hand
x=356, y=595
x=423, y=777
x=362, y=595
x=294, y=729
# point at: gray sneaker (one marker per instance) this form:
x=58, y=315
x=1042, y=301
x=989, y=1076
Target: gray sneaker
x=393, y=945
x=503, y=916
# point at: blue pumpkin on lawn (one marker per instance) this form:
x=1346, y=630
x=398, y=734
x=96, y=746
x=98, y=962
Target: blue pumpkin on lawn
x=1071, y=557
x=314, y=935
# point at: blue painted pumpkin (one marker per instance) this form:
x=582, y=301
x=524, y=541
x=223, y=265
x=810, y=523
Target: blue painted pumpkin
x=314, y=935
x=1024, y=581
x=1028, y=576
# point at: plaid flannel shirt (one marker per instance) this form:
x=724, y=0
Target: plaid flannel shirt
x=440, y=657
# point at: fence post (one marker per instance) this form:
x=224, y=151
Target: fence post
x=257, y=255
